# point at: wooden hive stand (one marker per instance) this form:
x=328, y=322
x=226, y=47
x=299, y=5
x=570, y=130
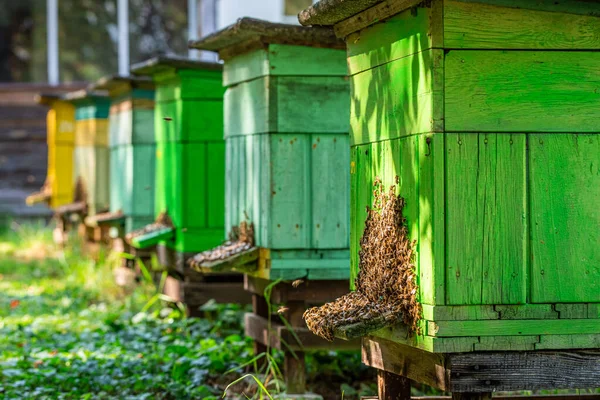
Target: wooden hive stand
x=487, y=112
x=188, y=129
x=287, y=157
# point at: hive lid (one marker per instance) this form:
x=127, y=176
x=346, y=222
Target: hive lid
x=85, y=94
x=250, y=33
x=47, y=98
x=330, y=12
x=166, y=63
x=112, y=83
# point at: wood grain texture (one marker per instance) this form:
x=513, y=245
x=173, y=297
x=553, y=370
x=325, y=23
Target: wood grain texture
x=486, y=219
x=404, y=108
x=512, y=327
x=487, y=26
x=550, y=342
x=506, y=343
x=402, y=35
x=459, y=313
x=565, y=188
x=485, y=91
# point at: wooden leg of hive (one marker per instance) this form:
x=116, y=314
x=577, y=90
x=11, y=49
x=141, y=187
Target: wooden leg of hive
x=260, y=308
x=472, y=396
x=392, y=387
x=294, y=368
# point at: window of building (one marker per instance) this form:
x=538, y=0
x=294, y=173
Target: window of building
x=22, y=40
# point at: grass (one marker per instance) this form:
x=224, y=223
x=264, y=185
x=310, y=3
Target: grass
x=67, y=331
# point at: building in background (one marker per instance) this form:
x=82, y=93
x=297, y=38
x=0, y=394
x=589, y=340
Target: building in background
x=58, y=45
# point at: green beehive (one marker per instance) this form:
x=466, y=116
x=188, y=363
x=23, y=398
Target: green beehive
x=91, y=155
x=188, y=123
x=286, y=131
x=488, y=113
x=132, y=147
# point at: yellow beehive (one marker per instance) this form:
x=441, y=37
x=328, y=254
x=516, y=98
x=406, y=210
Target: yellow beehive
x=60, y=122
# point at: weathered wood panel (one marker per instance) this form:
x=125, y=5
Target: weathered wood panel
x=215, y=184
x=191, y=186
x=189, y=121
x=512, y=327
x=92, y=165
x=403, y=35
x=486, y=26
x=142, y=182
x=143, y=126
x=189, y=84
x=486, y=219
x=522, y=91
x=330, y=195
x=404, y=108
x=565, y=216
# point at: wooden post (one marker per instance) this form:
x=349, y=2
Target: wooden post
x=260, y=308
x=472, y=396
x=294, y=366
x=392, y=387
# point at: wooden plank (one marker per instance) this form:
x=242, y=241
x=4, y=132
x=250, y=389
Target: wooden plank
x=215, y=184
x=152, y=238
x=551, y=342
x=393, y=100
x=290, y=192
x=196, y=240
x=249, y=108
x=318, y=61
x=143, y=181
x=565, y=186
x=458, y=313
x=512, y=327
x=579, y=7
x=418, y=365
x=432, y=222
x=486, y=207
x=514, y=370
x=486, y=26
x=402, y=35
x=507, y=343
x=527, y=311
x=143, y=126
x=571, y=311
x=245, y=67
x=372, y=15
x=486, y=91
x=330, y=196
x=399, y=333
x=243, y=261
x=192, y=186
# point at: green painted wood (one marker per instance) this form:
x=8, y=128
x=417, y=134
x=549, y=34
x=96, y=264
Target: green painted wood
x=196, y=240
x=282, y=60
x=527, y=311
x=484, y=26
x=188, y=84
x=330, y=225
x=485, y=91
x=92, y=166
x=282, y=104
x=584, y=341
x=121, y=174
x=402, y=35
x=486, y=219
x=507, y=343
x=135, y=223
x=191, y=190
x=143, y=126
x=565, y=188
x=459, y=313
x=152, y=238
x=400, y=334
x=142, y=182
x=512, y=327
x=96, y=108
x=578, y=7
x=120, y=127
x=572, y=311
x=328, y=273
x=404, y=108
x=189, y=121
x=215, y=184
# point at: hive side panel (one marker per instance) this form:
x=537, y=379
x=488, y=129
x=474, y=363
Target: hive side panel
x=310, y=104
x=143, y=170
x=201, y=84
x=215, y=182
x=102, y=179
x=119, y=192
x=393, y=100
x=165, y=186
x=192, y=185
x=168, y=121
x=402, y=35
x=290, y=191
x=565, y=216
x=283, y=61
x=202, y=120
x=521, y=91
x=65, y=122
x=143, y=126
x=246, y=108
x=120, y=126
x=486, y=219
x=62, y=183
x=487, y=26
x=245, y=67
x=330, y=155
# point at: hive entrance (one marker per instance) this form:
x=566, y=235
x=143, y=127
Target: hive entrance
x=241, y=240
x=386, y=290
x=163, y=221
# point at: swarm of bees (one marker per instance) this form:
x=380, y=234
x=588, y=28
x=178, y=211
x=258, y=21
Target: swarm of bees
x=163, y=221
x=241, y=238
x=386, y=283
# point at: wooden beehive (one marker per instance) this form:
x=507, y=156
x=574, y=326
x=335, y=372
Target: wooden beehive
x=91, y=155
x=286, y=132
x=189, y=151
x=132, y=147
x=488, y=111
x=60, y=125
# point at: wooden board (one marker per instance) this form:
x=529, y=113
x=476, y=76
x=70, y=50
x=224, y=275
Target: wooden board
x=402, y=35
x=565, y=188
x=189, y=120
x=282, y=60
x=513, y=327
x=92, y=165
x=196, y=240
x=486, y=91
x=486, y=219
x=188, y=84
x=394, y=99
x=487, y=26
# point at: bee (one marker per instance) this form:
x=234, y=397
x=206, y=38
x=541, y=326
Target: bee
x=281, y=310
x=168, y=119
x=297, y=283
